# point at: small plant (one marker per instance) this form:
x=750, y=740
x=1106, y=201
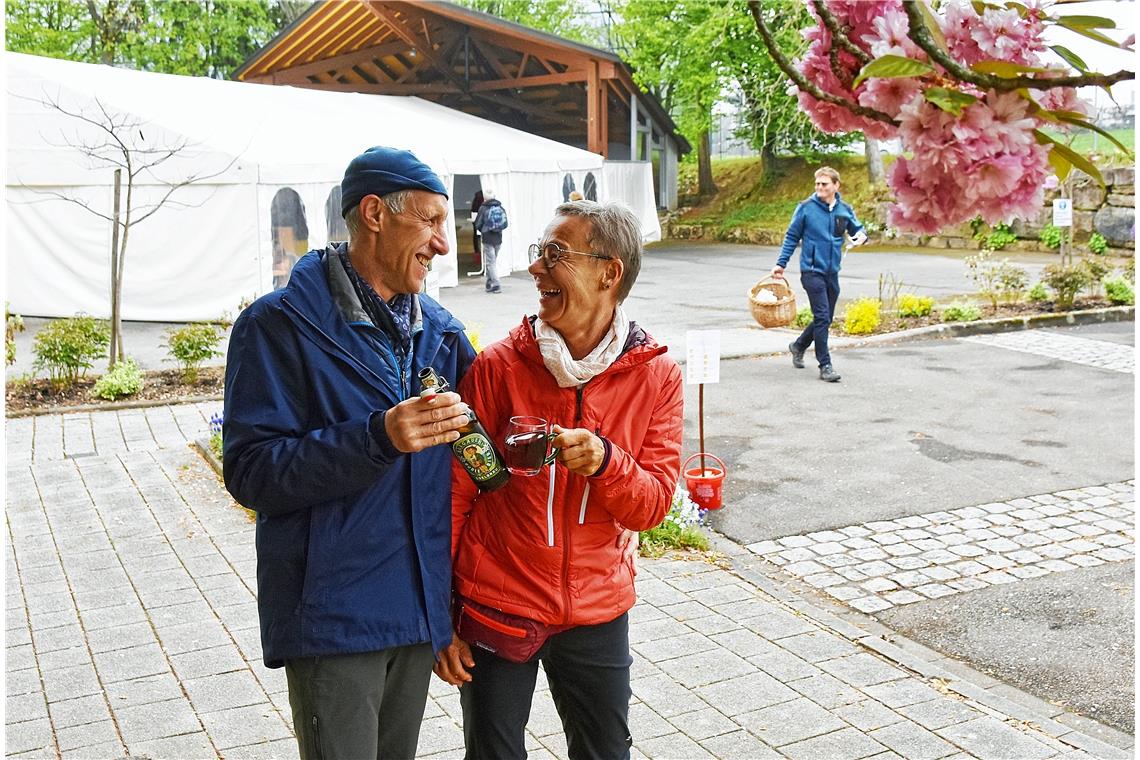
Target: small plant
x=862, y=316
x=1001, y=236
x=13, y=323
x=1097, y=243
x=996, y=280
x=473, y=334
x=1052, y=236
x=960, y=311
x=683, y=528
x=124, y=379
x=66, y=348
x=889, y=287
x=1065, y=282
x=193, y=345
x=911, y=305
x=216, y=435
x=1096, y=270
x=804, y=317
x=1119, y=292
x=1129, y=270
x=1038, y=294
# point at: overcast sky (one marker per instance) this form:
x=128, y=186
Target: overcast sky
x=1101, y=58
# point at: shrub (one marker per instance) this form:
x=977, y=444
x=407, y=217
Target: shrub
x=804, y=317
x=124, y=379
x=1037, y=293
x=1052, y=236
x=192, y=345
x=1065, y=282
x=862, y=316
x=13, y=323
x=683, y=528
x=1096, y=270
x=66, y=348
x=911, y=305
x=473, y=333
x=1001, y=236
x=1097, y=243
x=960, y=311
x=1119, y=292
x=996, y=280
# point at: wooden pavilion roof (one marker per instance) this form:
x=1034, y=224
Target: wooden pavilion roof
x=463, y=59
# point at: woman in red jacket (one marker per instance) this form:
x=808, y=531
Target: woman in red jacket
x=543, y=566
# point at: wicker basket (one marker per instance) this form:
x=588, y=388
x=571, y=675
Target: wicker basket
x=782, y=312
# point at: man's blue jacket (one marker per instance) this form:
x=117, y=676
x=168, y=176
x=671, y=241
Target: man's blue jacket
x=819, y=231
x=353, y=537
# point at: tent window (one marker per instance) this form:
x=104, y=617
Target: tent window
x=334, y=222
x=290, y=233
x=567, y=187
x=590, y=187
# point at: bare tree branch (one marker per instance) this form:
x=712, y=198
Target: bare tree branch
x=801, y=81
x=920, y=35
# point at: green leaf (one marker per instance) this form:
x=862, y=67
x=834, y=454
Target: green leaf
x=933, y=26
x=1005, y=69
x=1094, y=22
x=1070, y=155
x=1071, y=58
x=950, y=101
x=892, y=67
x=1091, y=34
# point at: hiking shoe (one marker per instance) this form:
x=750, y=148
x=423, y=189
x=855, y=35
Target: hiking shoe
x=828, y=374
x=797, y=356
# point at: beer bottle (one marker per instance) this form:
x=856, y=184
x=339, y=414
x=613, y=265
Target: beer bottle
x=473, y=448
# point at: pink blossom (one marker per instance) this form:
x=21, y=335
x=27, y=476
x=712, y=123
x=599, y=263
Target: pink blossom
x=1052, y=182
x=993, y=177
x=889, y=95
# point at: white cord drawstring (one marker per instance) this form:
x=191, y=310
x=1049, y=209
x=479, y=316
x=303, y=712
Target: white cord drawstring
x=582, y=511
x=550, y=509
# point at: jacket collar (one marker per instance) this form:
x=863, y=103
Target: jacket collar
x=639, y=346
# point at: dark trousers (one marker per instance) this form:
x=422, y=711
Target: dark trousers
x=588, y=671
x=822, y=292
x=356, y=706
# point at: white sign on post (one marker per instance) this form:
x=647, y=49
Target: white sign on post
x=1063, y=212
x=702, y=356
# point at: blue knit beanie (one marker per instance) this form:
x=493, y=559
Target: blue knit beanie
x=380, y=170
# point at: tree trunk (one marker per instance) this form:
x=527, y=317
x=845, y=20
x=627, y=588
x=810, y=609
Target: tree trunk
x=875, y=172
x=705, y=184
x=767, y=163
x=116, y=325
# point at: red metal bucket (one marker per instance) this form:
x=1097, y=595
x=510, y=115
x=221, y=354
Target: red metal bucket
x=704, y=484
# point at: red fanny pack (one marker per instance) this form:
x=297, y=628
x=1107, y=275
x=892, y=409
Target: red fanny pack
x=511, y=637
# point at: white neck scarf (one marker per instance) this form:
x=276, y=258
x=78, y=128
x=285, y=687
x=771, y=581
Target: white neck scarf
x=569, y=371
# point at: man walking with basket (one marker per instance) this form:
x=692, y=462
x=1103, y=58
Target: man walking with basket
x=818, y=228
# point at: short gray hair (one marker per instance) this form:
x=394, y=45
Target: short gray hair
x=615, y=232
x=488, y=195
x=394, y=201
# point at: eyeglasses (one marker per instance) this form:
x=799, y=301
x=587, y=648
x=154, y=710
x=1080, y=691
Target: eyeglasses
x=551, y=253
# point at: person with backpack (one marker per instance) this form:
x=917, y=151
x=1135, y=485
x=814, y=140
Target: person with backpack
x=491, y=221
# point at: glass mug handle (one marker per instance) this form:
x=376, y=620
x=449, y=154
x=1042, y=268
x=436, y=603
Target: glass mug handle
x=550, y=459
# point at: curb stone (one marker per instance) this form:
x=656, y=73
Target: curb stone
x=202, y=445
x=946, y=673
x=111, y=406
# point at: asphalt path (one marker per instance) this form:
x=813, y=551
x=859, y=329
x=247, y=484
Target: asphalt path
x=935, y=425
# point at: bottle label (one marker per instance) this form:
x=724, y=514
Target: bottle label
x=477, y=456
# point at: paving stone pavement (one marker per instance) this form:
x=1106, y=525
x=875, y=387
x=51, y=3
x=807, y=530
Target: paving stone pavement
x=131, y=628
x=1070, y=348
x=883, y=563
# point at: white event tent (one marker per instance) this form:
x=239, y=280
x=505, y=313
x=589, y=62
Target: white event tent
x=211, y=245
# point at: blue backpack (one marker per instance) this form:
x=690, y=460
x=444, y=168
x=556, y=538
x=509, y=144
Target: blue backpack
x=496, y=220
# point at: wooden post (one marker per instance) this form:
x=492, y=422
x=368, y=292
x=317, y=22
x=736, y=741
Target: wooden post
x=593, y=117
x=114, y=354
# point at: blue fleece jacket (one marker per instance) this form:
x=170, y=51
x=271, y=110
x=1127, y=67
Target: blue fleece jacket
x=819, y=232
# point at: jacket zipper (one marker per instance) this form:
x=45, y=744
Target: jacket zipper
x=568, y=518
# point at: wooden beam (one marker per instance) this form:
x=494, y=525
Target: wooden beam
x=439, y=63
x=491, y=59
x=344, y=59
x=542, y=81
x=432, y=88
x=595, y=142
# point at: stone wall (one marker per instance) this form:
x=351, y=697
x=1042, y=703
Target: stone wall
x=1109, y=210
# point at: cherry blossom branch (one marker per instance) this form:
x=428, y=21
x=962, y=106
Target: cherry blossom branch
x=800, y=80
x=920, y=35
x=838, y=34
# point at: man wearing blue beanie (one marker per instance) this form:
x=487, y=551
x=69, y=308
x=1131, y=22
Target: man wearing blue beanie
x=326, y=439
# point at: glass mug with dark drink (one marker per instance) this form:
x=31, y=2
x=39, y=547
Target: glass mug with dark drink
x=527, y=448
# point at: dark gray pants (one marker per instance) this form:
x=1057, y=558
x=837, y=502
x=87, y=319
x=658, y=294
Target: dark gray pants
x=358, y=706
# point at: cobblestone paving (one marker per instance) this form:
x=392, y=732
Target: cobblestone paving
x=132, y=629
x=1094, y=353
x=880, y=564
